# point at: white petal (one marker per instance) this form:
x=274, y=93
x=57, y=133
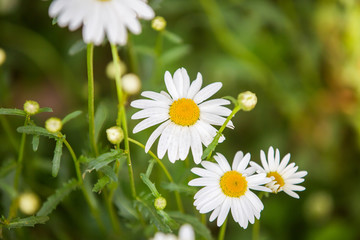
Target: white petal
x=148, y=112
x=155, y=135
x=174, y=144
x=164, y=140
x=144, y=103
x=215, y=214
x=213, y=167
x=284, y=162
x=178, y=82
x=170, y=86
x=195, y=86
x=215, y=119
x=263, y=161
x=214, y=103
x=157, y=96
x=223, y=211
x=196, y=147
x=207, y=92
x=223, y=163
x=151, y=121
x=244, y=163
x=184, y=143
x=204, y=173
x=186, y=232
x=271, y=160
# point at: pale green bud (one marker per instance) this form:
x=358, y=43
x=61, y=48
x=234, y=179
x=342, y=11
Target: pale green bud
x=115, y=135
x=111, y=71
x=160, y=203
x=2, y=56
x=131, y=83
x=31, y=107
x=158, y=23
x=29, y=203
x=53, y=125
x=247, y=100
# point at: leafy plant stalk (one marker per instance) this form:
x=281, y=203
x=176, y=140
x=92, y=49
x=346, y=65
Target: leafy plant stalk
x=223, y=230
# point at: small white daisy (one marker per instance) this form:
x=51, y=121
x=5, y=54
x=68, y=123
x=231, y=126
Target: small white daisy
x=186, y=232
x=228, y=188
x=284, y=176
x=101, y=17
x=185, y=116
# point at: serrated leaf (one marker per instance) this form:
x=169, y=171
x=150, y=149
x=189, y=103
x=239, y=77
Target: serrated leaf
x=101, y=183
x=77, y=47
x=109, y=171
x=154, y=217
x=100, y=118
x=71, y=116
x=59, y=195
x=175, y=54
x=106, y=158
x=173, y=187
x=12, y=111
x=35, y=142
x=173, y=37
x=57, y=157
x=150, y=185
x=45, y=109
x=199, y=228
x=35, y=130
x=211, y=147
x=27, y=222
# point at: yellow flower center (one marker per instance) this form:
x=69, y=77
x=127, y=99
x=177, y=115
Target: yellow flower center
x=104, y=0
x=184, y=112
x=278, y=178
x=233, y=184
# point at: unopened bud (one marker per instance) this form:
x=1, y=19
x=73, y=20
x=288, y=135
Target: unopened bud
x=247, y=100
x=2, y=56
x=111, y=71
x=160, y=203
x=31, y=107
x=115, y=135
x=131, y=83
x=158, y=23
x=53, y=125
x=29, y=203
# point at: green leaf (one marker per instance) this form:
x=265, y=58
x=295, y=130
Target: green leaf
x=150, y=185
x=26, y=222
x=106, y=158
x=175, y=54
x=145, y=50
x=8, y=189
x=12, y=111
x=35, y=130
x=154, y=217
x=71, y=116
x=100, y=118
x=150, y=167
x=109, y=171
x=77, y=47
x=59, y=195
x=35, y=142
x=45, y=109
x=211, y=147
x=54, y=21
x=101, y=183
x=173, y=37
x=199, y=228
x=178, y=187
x=57, y=157
x=7, y=167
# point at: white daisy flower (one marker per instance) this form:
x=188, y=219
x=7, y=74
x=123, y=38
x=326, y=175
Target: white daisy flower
x=101, y=17
x=185, y=116
x=284, y=176
x=186, y=232
x=228, y=188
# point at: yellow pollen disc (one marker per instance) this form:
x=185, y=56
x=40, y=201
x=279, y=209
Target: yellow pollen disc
x=184, y=112
x=233, y=184
x=278, y=178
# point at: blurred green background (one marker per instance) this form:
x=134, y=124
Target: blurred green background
x=301, y=58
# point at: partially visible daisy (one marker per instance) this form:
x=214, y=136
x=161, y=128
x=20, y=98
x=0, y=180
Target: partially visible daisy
x=185, y=116
x=101, y=17
x=186, y=232
x=228, y=188
x=284, y=177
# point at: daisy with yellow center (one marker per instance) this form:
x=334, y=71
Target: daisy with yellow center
x=228, y=188
x=186, y=118
x=100, y=18
x=284, y=176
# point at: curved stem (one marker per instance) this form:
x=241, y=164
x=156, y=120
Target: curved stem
x=177, y=194
x=90, y=72
x=223, y=230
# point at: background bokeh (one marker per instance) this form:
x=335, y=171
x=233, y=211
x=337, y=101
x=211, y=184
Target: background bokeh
x=301, y=58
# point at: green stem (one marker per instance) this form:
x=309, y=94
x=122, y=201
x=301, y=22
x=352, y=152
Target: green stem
x=256, y=226
x=223, y=230
x=91, y=204
x=90, y=72
x=14, y=204
x=122, y=117
x=177, y=194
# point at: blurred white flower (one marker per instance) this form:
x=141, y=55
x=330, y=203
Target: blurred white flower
x=2, y=56
x=100, y=18
x=131, y=83
x=29, y=203
x=186, y=232
x=284, y=176
x=185, y=116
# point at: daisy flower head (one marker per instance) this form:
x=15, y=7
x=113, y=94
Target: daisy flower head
x=284, y=176
x=100, y=18
x=186, y=118
x=186, y=232
x=228, y=188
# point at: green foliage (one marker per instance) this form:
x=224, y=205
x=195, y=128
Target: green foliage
x=107, y=158
x=12, y=111
x=59, y=195
x=35, y=130
x=45, y=109
x=57, y=157
x=150, y=185
x=35, y=142
x=71, y=116
x=26, y=222
x=101, y=183
x=182, y=188
x=100, y=118
x=77, y=47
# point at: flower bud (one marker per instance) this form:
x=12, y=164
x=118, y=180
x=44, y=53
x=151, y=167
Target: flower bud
x=2, y=56
x=111, y=71
x=31, y=107
x=160, y=203
x=247, y=100
x=29, y=203
x=158, y=23
x=53, y=125
x=115, y=135
x=131, y=83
